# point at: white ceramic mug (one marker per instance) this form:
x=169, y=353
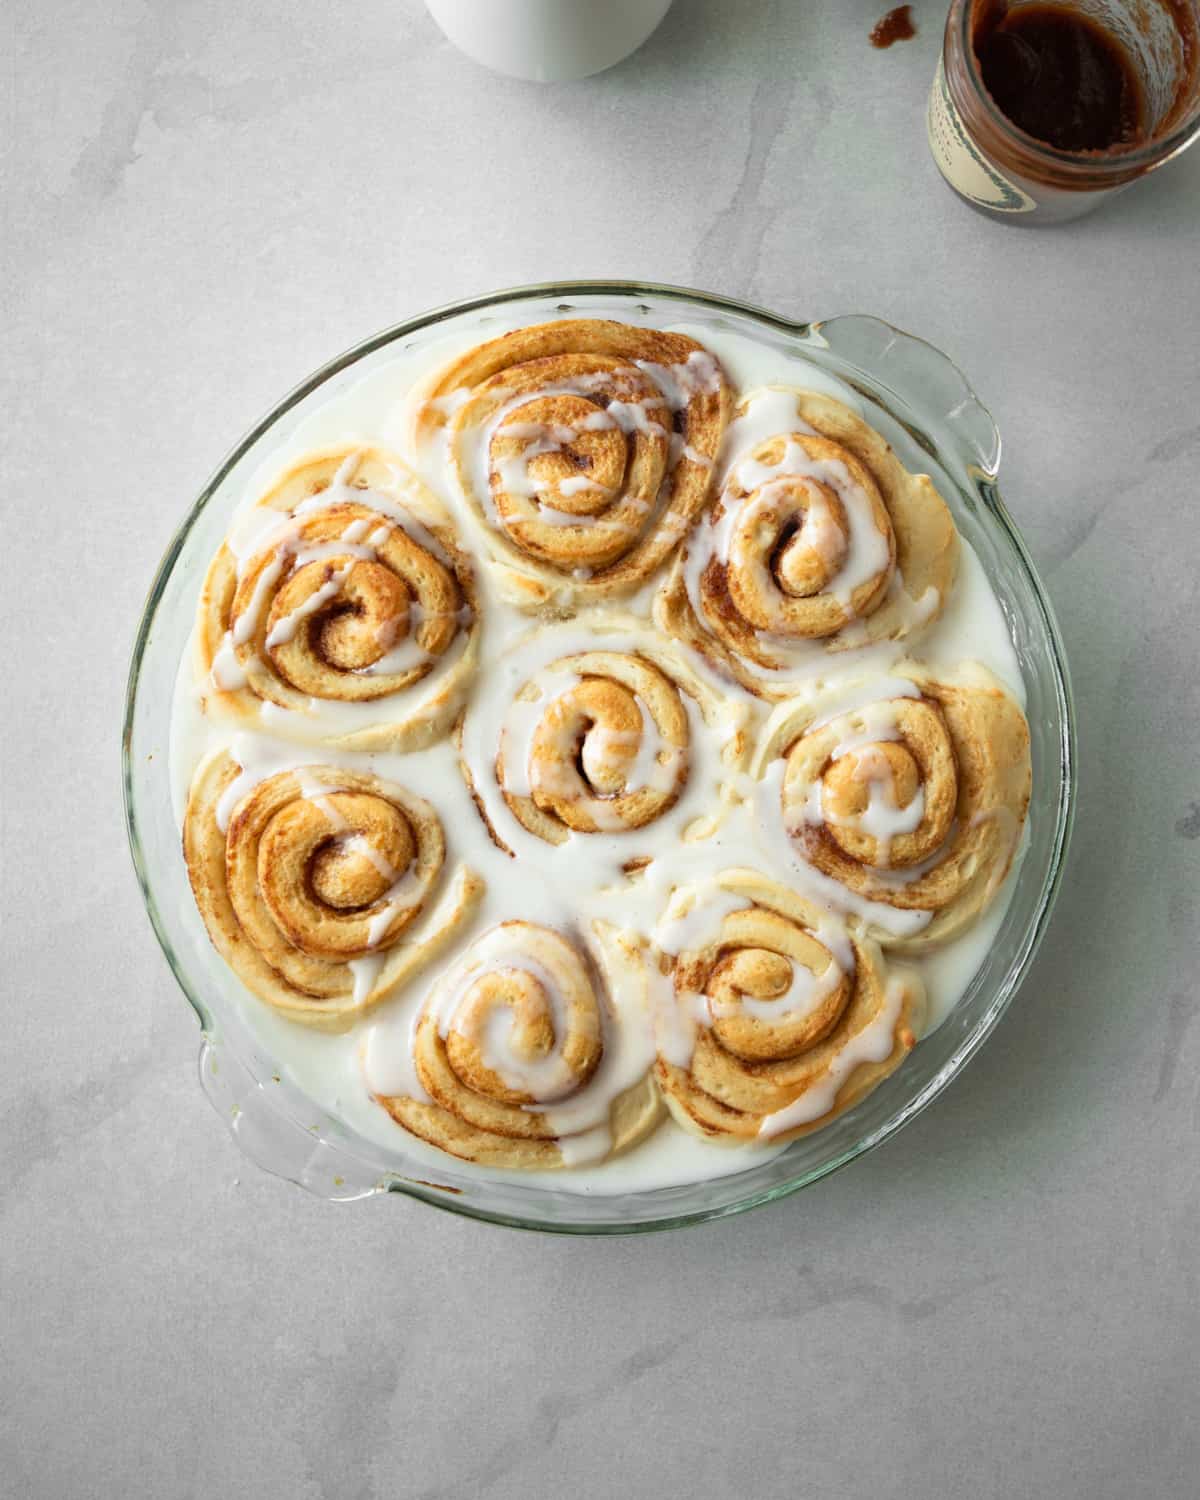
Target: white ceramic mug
x=548, y=40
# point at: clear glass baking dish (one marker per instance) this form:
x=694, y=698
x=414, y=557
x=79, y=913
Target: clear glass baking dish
x=924, y=405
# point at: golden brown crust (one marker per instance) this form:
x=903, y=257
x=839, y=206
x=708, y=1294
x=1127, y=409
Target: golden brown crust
x=367, y=600
x=600, y=443
x=529, y=1108
x=754, y=1076
x=961, y=747
x=763, y=574
x=602, y=741
x=314, y=872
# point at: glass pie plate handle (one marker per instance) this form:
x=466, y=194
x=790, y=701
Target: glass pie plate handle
x=272, y=1137
x=912, y=372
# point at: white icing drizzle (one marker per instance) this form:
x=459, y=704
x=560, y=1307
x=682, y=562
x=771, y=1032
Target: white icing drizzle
x=404, y=893
x=698, y=375
x=677, y=384
x=635, y=416
x=542, y=438
x=309, y=787
x=870, y=719
x=366, y=971
x=361, y=845
x=386, y=1055
x=285, y=628
x=260, y=759
x=513, y=469
x=565, y=886
x=545, y=1078
x=867, y=551
x=873, y=1044
x=257, y=759
x=227, y=672
x=681, y=449
x=862, y=550
x=689, y=923
x=313, y=552
x=655, y=765
x=448, y=404
x=334, y=818
x=770, y=413
x=910, y=613
x=693, y=919
x=258, y=528
x=883, y=817
x=403, y=657
x=871, y=704
x=581, y=1121
x=677, y=1018
x=578, y=1113
x=853, y=555
x=587, y=869
x=247, y=622
x=899, y=878
x=812, y=883
x=806, y=991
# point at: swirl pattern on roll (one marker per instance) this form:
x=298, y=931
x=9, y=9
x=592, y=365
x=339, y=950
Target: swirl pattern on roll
x=776, y=1019
x=585, y=446
x=818, y=540
x=519, y=1059
x=913, y=800
x=607, y=753
x=309, y=880
x=603, y=740
x=343, y=588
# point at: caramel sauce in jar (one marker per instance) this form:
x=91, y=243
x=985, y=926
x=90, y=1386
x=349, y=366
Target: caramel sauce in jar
x=1041, y=108
x=1059, y=76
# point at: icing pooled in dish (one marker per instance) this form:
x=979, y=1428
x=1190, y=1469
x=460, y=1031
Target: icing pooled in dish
x=600, y=755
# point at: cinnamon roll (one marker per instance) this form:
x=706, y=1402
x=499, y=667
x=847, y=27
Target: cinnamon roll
x=532, y=1051
x=341, y=609
x=318, y=885
x=603, y=733
x=585, y=447
x=911, y=802
x=818, y=540
x=775, y=1019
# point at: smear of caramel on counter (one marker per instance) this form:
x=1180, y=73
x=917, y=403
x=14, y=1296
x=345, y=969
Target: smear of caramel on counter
x=896, y=26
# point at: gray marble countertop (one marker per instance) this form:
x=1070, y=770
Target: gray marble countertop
x=1003, y=1301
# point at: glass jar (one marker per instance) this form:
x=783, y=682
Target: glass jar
x=1009, y=174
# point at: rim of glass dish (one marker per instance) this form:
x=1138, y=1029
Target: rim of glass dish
x=1064, y=813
